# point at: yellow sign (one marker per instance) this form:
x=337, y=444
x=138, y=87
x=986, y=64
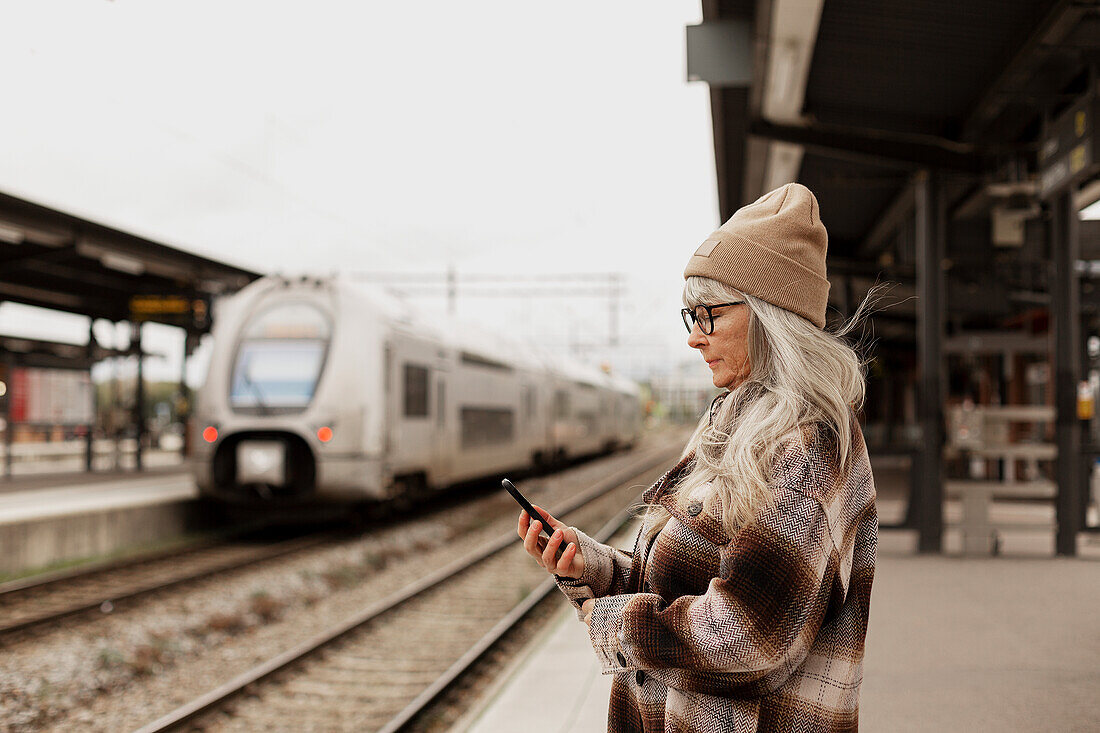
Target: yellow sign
x=159, y=305
x=177, y=310
x=1079, y=122
x=1077, y=158
x=1086, y=402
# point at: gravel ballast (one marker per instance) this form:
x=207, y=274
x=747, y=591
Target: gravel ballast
x=122, y=670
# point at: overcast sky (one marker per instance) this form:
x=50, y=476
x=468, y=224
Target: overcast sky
x=495, y=137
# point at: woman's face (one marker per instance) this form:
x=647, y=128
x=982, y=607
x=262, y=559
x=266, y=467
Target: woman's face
x=726, y=350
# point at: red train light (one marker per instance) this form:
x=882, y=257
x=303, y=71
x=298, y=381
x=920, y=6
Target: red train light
x=324, y=434
x=210, y=434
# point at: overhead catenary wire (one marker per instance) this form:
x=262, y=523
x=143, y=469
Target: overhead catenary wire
x=447, y=283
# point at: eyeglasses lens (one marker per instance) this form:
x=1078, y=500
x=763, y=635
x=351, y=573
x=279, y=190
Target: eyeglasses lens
x=700, y=315
x=706, y=325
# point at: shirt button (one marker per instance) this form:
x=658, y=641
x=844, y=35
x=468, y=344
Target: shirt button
x=639, y=676
x=695, y=509
x=621, y=658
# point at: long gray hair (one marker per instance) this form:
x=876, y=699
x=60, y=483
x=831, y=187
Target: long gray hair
x=799, y=375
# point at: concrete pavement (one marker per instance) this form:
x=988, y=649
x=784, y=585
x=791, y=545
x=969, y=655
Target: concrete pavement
x=1010, y=643
x=983, y=644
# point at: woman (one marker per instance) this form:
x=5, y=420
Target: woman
x=744, y=604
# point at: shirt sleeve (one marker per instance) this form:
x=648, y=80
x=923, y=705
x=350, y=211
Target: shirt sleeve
x=754, y=624
x=606, y=571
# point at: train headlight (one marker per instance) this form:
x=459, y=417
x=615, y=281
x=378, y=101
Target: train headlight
x=324, y=434
x=210, y=434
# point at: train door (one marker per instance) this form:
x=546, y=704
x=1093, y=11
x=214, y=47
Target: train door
x=413, y=375
x=446, y=430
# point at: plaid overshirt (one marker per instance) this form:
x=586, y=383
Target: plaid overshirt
x=759, y=631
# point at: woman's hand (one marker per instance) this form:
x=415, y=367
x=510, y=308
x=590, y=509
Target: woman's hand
x=571, y=562
x=586, y=609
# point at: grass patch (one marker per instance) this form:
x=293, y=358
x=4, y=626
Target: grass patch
x=372, y=560
x=147, y=659
x=343, y=576
x=263, y=605
x=110, y=658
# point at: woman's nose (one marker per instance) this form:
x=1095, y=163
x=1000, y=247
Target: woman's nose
x=696, y=339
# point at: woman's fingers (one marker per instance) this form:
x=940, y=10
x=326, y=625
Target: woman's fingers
x=531, y=541
x=546, y=552
x=550, y=553
x=587, y=608
x=526, y=519
x=565, y=562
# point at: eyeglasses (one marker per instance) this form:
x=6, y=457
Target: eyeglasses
x=704, y=316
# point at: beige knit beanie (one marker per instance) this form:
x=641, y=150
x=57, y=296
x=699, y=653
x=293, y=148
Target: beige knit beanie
x=773, y=249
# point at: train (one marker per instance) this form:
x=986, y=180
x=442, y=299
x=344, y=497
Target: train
x=323, y=389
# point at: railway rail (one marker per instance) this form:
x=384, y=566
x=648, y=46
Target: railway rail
x=38, y=601
x=381, y=668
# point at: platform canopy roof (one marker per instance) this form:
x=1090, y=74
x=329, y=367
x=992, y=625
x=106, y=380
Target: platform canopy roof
x=55, y=260
x=854, y=97
x=54, y=354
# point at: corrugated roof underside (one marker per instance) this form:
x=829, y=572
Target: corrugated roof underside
x=913, y=66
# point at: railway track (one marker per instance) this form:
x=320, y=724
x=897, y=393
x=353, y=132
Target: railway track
x=40, y=601
x=37, y=602
x=380, y=669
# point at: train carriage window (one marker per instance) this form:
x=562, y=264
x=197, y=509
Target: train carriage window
x=528, y=403
x=486, y=426
x=416, y=391
x=280, y=358
x=561, y=404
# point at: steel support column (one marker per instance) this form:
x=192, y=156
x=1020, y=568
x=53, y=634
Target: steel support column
x=1066, y=332
x=89, y=438
x=9, y=427
x=185, y=408
x=930, y=236
x=139, y=394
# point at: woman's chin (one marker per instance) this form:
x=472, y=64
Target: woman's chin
x=726, y=382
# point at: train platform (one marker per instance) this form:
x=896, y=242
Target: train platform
x=49, y=480
x=76, y=493
x=65, y=518
x=953, y=644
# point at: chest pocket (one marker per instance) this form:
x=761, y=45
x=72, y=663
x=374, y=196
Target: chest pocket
x=686, y=554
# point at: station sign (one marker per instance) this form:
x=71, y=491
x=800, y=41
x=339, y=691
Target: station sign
x=175, y=310
x=51, y=396
x=1067, y=155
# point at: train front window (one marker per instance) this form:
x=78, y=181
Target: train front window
x=280, y=358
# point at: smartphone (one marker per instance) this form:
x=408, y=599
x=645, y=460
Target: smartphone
x=531, y=511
